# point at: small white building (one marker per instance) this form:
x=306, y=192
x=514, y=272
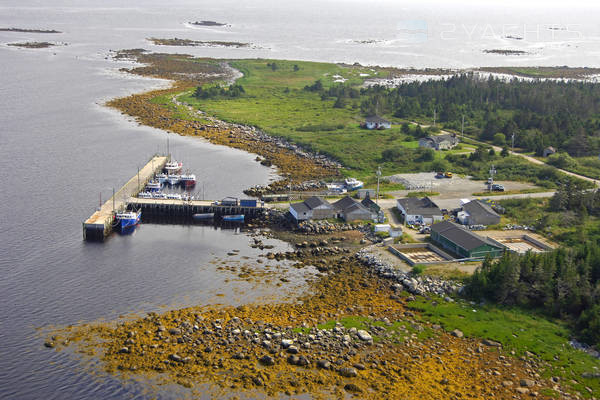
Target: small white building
x=312, y=208
x=419, y=211
x=377, y=123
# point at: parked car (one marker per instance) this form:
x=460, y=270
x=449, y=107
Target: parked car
x=497, y=188
x=448, y=174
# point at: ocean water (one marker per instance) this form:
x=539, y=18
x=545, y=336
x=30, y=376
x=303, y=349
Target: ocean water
x=61, y=149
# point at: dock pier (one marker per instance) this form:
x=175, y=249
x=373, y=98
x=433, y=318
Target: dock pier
x=187, y=208
x=100, y=224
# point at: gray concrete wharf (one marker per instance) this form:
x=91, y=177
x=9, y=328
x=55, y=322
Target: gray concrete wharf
x=187, y=208
x=100, y=224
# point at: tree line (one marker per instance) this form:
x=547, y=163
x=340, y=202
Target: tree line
x=563, y=283
x=540, y=113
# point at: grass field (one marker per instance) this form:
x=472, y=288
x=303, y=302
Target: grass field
x=520, y=332
x=275, y=101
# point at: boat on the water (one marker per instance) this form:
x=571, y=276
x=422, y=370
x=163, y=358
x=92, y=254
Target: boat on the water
x=145, y=195
x=159, y=195
x=153, y=186
x=173, y=179
x=162, y=178
x=234, y=218
x=204, y=216
x=128, y=220
x=173, y=167
x=188, y=180
x=174, y=196
x=353, y=183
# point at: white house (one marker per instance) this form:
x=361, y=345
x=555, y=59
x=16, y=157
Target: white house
x=312, y=208
x=419, y=211
x=377, y=123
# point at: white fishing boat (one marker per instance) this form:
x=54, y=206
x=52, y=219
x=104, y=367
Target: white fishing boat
x=144, y=195
x=153, y=186
x=173, y=167
x=173, y=179
x=162, y=178
x=159, y=196
x=173, y=196
x=353, y=183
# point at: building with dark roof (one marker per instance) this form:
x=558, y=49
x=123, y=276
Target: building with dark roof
x=312, y=208
x=439, y=142
x=477, y=212
x=462, y=242
x=377, y=123
x=419, y=211
x=352, y=210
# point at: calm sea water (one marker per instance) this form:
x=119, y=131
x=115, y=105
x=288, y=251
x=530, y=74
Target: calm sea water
x=61, y=149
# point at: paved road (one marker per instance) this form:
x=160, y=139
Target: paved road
x=532, y=160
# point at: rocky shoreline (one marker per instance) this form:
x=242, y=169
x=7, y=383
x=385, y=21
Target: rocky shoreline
x=298, y=167
x=350, y=334
x=416, y=285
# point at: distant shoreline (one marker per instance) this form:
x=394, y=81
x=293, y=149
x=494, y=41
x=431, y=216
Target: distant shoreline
x=22, y=30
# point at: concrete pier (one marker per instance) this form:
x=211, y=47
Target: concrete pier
x=100, y=224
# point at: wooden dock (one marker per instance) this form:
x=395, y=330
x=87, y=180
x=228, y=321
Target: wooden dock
x=187, y=208
x=99, y=225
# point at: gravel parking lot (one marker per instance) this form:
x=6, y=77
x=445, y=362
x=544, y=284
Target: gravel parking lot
x=454, y=187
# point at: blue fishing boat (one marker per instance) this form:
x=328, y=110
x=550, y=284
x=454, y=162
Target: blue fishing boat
x=127, y=221
x=234, y=218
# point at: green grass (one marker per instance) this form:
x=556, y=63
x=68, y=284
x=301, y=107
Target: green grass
x=565, y=228
x=422, y=194
x=276, y=102
x=518, y=331
x=521, y=191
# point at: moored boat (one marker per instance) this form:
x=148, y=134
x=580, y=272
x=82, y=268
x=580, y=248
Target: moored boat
x=162, y=178
x=159, y=196
x=153, y=186
x=203, y=216
x=173, y=179
x=145, y=195
x=234, y=218
x=174, y=196
x=128, y=220
x=173, y=167
x=188, y=180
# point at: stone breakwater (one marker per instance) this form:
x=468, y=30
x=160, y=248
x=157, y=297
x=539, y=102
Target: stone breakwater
x=406, y=281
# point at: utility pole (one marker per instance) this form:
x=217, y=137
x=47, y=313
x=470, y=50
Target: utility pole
x=434, y=115
x=513, y=142
x=462, y=127
x=378, y=176
x=492, y=173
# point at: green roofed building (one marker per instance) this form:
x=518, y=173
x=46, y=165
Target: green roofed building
x=463, y=242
